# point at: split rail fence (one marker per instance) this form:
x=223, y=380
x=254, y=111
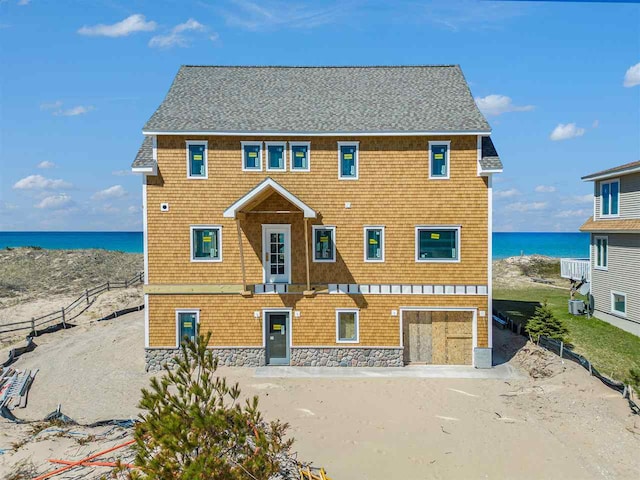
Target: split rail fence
x=60, y=318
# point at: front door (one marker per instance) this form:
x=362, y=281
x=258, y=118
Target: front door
x=277, y=342
x=276, y=248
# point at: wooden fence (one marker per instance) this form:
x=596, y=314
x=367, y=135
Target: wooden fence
x=73, y=310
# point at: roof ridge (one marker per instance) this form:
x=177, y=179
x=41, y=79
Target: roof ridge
x=452, y=65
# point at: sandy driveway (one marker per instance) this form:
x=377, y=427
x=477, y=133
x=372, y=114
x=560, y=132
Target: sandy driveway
x=561, y=425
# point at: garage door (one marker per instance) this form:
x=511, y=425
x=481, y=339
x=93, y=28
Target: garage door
x=438, y=337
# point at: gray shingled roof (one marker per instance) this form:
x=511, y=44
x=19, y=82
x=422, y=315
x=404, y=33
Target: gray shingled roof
x=144, y=158
x=490, y=159
x=318, y=100
x=632, y=166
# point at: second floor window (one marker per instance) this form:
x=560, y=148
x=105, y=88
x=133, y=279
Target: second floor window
x=439, y=160
x=348, y=161
x=324, y=244
x=437, y=244
x=206, y=243
x=276, y=156
x=252, y=156
x=196, y=159
x=602, y=252
x=300, y=156
x=610, y=195
x=374, y=244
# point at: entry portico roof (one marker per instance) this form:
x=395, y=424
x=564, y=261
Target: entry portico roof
x=258, y=193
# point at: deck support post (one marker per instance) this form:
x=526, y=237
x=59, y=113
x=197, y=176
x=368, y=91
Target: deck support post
x=308, y=291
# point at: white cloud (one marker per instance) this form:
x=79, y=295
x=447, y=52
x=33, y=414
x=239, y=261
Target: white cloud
x=512, y=192
x=499, y=104
x=38, y=182
x=595, y=124
x=545, y=189
x=587, y=198
x=46, y=164
x=73, y=111
x=55, y=202
x=583, y=212
x=526, y=207
x=134, y=23
x=632, y=77
x=134, y=210
x=117, y=191
x=122, y=173
x=51, y=106
x=566, y=131
x=176, y=37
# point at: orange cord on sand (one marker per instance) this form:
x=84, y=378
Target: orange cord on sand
x=94, y=464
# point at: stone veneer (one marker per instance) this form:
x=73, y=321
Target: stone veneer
x=155, y=358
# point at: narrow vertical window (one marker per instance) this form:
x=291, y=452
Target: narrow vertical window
x=300, y=156
x=615, y=186
x=348, y=161
x=206, y=242
x=251, y=156
x=439, y=160
x=602, y=247
x=374, y=244
x=276, y=156
x=196, y=159
x=610, y=198
x=324, y=247
x=187, y=325
x=347, y=328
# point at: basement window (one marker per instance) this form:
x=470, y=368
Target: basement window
x=437, y=244
x=276, y=156
x=619, y=303
x=324, y=243
x=347, y=328
x=206, y=243
x=348, y=160
x=439, y=160
x=251, y=156
x=196, y=159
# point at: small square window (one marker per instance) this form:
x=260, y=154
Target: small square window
x=196, y=159
x=437, y=244
x=276, y=156
x=610, y=197
x=348, y=161
x=300, y=156
x=324, y=247
x=251, y=156
x=619, y=303
x=439, y=160
x=374, y=244
x=206, y=243
x=347, y=328
x=187, y=325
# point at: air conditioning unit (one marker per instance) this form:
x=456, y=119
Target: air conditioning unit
x=576, y=307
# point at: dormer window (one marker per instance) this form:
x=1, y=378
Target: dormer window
x=439, y=160
x=252, y=156
x=610, y=196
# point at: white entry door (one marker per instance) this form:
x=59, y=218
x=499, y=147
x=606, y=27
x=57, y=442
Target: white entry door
x=276, y=251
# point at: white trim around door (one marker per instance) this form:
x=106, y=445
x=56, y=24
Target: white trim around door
x=268, y=228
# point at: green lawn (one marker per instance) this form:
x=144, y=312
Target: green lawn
x=611, y=350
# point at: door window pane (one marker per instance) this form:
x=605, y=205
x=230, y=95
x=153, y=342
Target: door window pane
x=439, y=161
x=348, y=326
x=348, y=166
x=323, y=241
x=275, y=154
x=187, y=326
x=251, y=157
x=197, y=166
x=374, y=243
x=437, y=244
x=206, y=243
x=299, y=159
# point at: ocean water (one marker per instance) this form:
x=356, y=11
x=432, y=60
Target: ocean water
x=505, y=244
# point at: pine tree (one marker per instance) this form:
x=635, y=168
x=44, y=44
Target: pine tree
x=544, y=322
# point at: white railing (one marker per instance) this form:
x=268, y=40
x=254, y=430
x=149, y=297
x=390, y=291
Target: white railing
x=575, y=269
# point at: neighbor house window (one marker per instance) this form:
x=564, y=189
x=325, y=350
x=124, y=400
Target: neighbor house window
x=324, y=244
x=437, y=244
x=347, y=326
x=196, y=159
x=186, y=325
x=348, y=160
x=276, y=156
x=374, y=244
x=610, y=195
x=206, y=243
x=251, y=156
x=619, y=303
x=602, y=252
x=439, y=160
x=300, y=156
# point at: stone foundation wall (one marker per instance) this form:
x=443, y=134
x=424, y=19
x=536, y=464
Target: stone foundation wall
x=347, y=357
x=155, y=358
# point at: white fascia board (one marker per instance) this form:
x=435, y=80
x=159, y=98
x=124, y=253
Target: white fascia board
x=314, y=134
x=615, y=174
x=147, y=170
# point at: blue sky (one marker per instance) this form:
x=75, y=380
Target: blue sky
x=559, y=83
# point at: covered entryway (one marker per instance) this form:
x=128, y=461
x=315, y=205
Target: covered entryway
x=438, y=336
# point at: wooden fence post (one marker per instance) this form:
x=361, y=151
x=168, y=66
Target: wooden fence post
x=590, y=371
x=33, y=326
x=86, y=293
x=108, y=287
x=64, y=323
x=561, y=348
x=126, y=283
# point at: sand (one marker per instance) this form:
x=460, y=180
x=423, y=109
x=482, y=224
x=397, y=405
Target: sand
x=562, y=423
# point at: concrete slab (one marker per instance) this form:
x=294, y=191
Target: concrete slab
x=499, y=372
x=627, y=325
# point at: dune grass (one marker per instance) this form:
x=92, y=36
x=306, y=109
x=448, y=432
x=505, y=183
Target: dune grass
x=611, y=350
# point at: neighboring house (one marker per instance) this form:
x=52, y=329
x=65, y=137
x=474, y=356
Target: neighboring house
x=615, y=245
x=319, y=216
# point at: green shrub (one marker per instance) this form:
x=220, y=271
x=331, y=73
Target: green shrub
x=544, y=322
x=194, y=427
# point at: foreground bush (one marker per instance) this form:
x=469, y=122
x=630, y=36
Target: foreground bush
x=544, y=322
x=193, y=426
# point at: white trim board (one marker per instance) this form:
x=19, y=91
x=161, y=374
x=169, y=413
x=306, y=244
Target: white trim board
x=405, y=289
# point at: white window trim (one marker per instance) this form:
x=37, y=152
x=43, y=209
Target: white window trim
x=333, y=240
x=284, y=156
x=366, y=245
x=357, y=159
x=251, y=144
x=206, y=160
x=211, y=227
x=438, y=227
x=357, y=326
x=287, y=228
x=609, y=182
x=613, y=310
x=447, y=158
x=300, y=144
x=186, y=310
x=595, y=253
